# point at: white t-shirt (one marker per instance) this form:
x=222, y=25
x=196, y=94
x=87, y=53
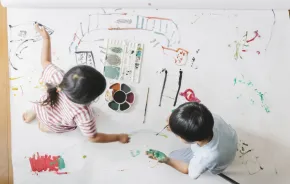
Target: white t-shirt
x=216, y=155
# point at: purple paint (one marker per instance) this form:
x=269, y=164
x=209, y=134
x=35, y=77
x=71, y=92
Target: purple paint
x=130, y=97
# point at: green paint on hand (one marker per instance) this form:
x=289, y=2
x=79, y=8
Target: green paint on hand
x=61, y=164
x=84, y=156
x=135, y=153
x=161, y=157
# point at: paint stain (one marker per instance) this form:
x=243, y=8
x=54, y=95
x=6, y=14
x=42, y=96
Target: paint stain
x=163, y=135
x=119, y=97
x=258, y=52
x=256, y=36
x=84, y=156
x=135, y=153
x=132, y=52
x=197, y=51
x=116, y=49
x=149, y=4
x=14, y=88
x=15, y=78
x=112, y=72
x=113, y=59
x=46, y=162
x=113, y=105
x=125, y=88
x=189, y=95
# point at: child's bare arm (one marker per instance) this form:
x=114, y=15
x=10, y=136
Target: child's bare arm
x=178, y=165
x=106, y=138
x=46, y=46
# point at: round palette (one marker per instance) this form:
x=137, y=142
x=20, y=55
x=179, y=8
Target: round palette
x=120, y=97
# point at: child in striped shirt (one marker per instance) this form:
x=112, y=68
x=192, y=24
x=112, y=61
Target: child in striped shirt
x=66, y=105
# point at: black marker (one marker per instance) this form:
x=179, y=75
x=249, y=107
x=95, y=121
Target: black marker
x=228, y=178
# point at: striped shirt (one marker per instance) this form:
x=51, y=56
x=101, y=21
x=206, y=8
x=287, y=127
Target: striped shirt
x=65, y=115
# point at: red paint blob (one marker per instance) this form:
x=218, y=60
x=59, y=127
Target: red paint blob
x=189, y=95
x=43, y=163
x=244, y=50
x=130, y=97
x=258, y=52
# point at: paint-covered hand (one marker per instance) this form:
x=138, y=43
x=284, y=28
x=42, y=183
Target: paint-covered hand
x=157, y=155
x=41, y=30
x=123, y=138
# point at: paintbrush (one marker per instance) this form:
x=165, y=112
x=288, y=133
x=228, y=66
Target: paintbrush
x=161, y=130
x=146, y=106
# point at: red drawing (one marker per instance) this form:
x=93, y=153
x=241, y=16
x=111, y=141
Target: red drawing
x=190, y=96
x=181, y=57
x=49, y=163
x=256, y=36
x=258, y=52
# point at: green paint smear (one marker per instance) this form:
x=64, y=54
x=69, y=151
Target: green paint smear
x=61, y=164
x=116, y=49
x=84, y=156
x=135, y=153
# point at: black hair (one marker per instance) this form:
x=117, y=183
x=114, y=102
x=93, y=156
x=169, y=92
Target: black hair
x=192, y=122
x=81, y=84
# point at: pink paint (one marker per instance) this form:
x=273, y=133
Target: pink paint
x=60, y=173
x=258, y=52
x=130, y=97
x=256, y=36
x=189, y=96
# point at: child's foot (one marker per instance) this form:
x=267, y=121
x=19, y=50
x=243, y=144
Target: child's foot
x=29, y=116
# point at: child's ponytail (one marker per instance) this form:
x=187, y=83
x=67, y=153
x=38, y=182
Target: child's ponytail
x=52, y=98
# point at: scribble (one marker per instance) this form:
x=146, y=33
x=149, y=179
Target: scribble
x=255, y=90
x=274, y=22
x=85, y=58
x=180, y=57
x=20, y=37
x=124, y=21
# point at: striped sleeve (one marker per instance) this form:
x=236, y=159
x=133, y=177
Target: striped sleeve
x=52, y=75
x=86, y=122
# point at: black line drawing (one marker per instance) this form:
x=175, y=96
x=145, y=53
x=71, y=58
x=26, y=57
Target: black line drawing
x=163, y=87
x=274, y=22
x=21, y=36
x=85, y=58
x=179, y=85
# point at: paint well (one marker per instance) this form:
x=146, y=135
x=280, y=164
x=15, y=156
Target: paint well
x=120, y=97
x=113, y=59
x=124, y=106
x=130, y=97
x=113, y=105
x=112, y=72
x=125, y=88
x=115, y=87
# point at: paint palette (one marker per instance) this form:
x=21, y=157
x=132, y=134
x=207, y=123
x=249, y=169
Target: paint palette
x=120, y=97
x=123, y=60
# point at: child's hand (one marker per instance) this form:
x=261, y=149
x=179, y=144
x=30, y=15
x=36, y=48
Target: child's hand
x=123, y=138
x=157, y=155
x=41, y=31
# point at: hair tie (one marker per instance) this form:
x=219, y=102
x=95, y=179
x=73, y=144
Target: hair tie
x=75, y=76
x=58, y=89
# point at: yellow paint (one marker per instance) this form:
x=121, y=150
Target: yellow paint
x=14, y=78
x=14, y=94
x=14, y=88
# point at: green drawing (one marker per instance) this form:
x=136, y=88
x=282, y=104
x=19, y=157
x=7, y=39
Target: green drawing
x=135, y=153
x=259, y=93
